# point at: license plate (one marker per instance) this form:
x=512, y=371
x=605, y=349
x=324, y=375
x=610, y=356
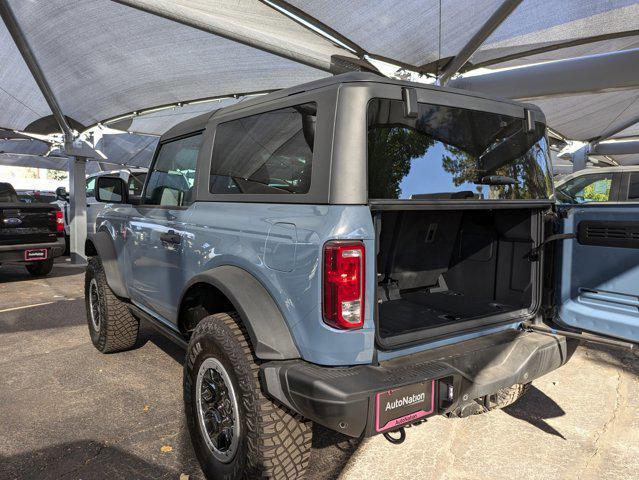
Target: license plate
x=38, y=254
x=404, y=405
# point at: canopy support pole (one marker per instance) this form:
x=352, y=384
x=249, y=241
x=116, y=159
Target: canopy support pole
x=496, y=19
x=77, y=168
x=77, y=210
x=34, y=67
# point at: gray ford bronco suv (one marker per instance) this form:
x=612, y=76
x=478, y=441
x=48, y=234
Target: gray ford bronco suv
x=358, y=252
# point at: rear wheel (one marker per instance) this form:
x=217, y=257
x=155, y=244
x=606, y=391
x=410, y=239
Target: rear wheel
x=40, y=268
x=507, y=396
x=111, y=325
x=237, y=432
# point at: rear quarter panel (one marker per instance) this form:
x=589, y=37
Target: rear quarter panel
x=281, y=246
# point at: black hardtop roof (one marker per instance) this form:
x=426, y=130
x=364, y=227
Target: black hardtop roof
x=199, y=123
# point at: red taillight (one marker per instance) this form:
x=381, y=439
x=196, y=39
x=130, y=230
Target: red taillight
x=59, y=221
x=344, y=284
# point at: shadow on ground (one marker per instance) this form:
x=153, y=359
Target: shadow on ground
x=615, y=357
x=60, y=314
x=82, y=459
x=330, y=451
x=535, y=407
x=18, y=273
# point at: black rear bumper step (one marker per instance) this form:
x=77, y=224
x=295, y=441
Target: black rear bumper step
x=342, y=398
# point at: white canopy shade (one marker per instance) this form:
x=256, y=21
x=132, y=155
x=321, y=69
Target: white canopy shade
x=105, y=59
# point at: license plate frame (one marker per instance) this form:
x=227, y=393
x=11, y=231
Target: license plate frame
x=36, y=254
x=402, y=405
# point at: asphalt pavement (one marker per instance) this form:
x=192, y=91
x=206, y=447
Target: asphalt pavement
x=69, y=412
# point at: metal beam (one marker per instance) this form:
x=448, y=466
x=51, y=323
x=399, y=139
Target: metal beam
x=590, y=74
x=34, y=67
x=496, y=19
x=617, y=147
x=551, y=48
x=267, y=42
x=580, y=158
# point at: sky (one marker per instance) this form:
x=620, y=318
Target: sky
x=427, y=175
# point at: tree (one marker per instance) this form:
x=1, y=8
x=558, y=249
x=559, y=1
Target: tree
x=390, y=152
x=57, y=174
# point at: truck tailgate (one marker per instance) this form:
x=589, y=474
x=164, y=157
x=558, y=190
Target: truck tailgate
x=26, y=224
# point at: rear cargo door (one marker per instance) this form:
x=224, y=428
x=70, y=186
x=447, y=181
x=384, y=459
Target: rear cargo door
x=598, y=270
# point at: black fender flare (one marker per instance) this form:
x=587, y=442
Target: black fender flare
x=108, y=256
x=264, y=322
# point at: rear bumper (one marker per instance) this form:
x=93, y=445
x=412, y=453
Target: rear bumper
x=343, y=398
x=15, y=253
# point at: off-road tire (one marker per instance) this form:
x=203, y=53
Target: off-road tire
x=507, y=396
x=273, y=442
x=40, y=268
x=118, y=328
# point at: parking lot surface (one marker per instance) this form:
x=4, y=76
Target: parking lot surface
x=67, y=411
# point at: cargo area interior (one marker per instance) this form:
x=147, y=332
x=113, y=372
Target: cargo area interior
x=443, y=268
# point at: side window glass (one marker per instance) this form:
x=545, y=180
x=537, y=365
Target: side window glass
x=597, y=191
x=91, y=187
x=173, y=176
x=633, y=188
x=267, y=153
x=588, y=188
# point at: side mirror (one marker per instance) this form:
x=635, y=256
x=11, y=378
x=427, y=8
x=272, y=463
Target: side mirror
x=110, y=190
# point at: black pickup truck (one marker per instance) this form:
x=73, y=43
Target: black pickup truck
x=30, y=234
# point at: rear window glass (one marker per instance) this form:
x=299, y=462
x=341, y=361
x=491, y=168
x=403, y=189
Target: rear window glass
x=267, y=153
x=454, y=153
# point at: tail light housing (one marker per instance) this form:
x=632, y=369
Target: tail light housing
x=344, y=284
x=59, y=221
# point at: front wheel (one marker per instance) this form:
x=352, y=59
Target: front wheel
x=111, y=325
x=237, y=432
x=40, y=268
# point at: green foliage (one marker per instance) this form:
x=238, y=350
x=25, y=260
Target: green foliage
x=598, y=191
x=390, y=152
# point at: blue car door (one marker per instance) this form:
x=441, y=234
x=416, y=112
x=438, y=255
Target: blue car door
x=159, y=228
x=598, y=270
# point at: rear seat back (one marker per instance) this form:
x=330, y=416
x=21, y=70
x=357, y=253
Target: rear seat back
x=416, y=247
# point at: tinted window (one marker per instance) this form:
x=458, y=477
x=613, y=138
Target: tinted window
x=173, y=175
x=633, y=188
x=449, y=152
x=266, y=153
x=586, y=188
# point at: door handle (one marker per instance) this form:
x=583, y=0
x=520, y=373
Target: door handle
x=171, y=237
